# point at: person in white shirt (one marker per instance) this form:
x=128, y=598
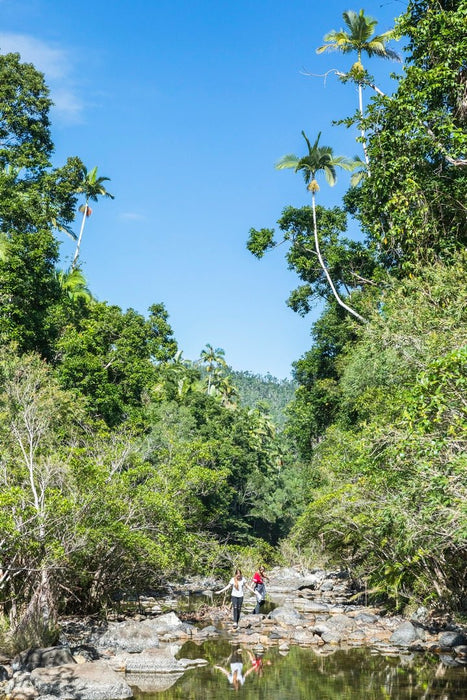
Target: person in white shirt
x=235, y=676
x=238, y=583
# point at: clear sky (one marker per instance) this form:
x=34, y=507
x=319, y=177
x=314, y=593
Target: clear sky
x=186, y=105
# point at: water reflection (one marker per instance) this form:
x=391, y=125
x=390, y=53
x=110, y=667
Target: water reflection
x=306, y=674
x=236, y=674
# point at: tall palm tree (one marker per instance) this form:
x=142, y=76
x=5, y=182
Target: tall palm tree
x=92, y=187
x=360, y=39
x=319, y=158
x=214, y=361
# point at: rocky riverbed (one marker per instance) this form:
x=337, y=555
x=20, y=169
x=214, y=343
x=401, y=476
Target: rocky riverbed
x=97, y=661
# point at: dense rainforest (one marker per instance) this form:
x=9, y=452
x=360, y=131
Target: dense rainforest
x=123, y=464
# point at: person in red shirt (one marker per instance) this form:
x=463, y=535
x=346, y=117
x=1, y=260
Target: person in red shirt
x=258, y=580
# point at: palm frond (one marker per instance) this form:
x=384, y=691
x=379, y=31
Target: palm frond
x=360, y=174
x=338, y=41
x=306, y=170
x=64, y=228
x=361, y=26
x=308, y=141
x=287, y=161
x=343, y=163
x=330, y=174
x=378, y=47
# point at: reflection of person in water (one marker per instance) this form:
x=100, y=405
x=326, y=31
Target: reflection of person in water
x=257, y=664
x=236, y=676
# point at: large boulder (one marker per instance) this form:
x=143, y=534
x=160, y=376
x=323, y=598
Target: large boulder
x=89, y=681
x=131, y=636
x=135, y=636
x=286, y=616
x=154, y=661
x=311, y=606
x=33, y=658
x=168, y=623
x=450, y=639
x=332, y=637
x=366, y=618
x=341, y=623
x=305, y=637
x=405, y=635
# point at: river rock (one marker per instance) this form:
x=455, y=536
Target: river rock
x=332, y=637
x=168, y=623
x=20, y=687
x=88, y=681
x=405, y=635
x=327, y=586
x=42, y=658
x=341, y=622
x=311, y=606
x=286, y=616
x=450, y=639
x=366, y=618
x=131, y=635
x=154, y=661
x=85, y=652
x=305, y=637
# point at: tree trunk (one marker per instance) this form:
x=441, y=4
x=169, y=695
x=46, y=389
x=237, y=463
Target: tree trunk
x=325, y=270
x=362, y=130
x=85, y=212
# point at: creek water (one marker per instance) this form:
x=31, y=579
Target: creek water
x=307, y=674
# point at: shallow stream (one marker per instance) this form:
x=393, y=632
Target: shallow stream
x=307, y=674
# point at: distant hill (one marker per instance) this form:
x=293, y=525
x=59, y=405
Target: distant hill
x=253, y=388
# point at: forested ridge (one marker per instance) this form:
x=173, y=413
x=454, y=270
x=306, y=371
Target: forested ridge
x=123, y=464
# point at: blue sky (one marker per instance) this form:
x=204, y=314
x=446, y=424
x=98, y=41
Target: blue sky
x=186, y=105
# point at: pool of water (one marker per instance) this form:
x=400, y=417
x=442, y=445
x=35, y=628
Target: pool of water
x=308, y=674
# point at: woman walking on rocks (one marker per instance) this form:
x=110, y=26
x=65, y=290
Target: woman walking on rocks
x=238, y=583
x=258, y=580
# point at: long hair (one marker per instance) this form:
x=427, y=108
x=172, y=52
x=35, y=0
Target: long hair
x=237, y=572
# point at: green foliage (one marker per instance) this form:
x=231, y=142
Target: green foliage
x=28, y=287
x=109, y=356
x=413, y=203
x=37, y=429
x=349, y=263
x=318, y=397
x=260, y=241
x=393, y=476
x=25, y=104
x=34, y=200
x=360, y=38
x=256, y=390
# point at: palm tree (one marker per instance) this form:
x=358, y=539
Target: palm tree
x=73, y=283
x=360, y=39
x=319, y=158
x=92, y=188
x=229, y=392
x=214, y=362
